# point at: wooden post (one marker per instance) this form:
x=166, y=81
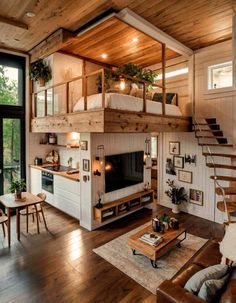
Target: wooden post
x=103, y=88
x=67, y=98
x=84, y=85
x=45, y=103
x=163, y=79
x=144, y=99
x=35, y=105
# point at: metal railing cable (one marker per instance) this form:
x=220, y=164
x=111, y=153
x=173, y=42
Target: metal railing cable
x=209, y=153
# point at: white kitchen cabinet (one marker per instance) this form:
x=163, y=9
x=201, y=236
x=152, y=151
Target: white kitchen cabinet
x=35, y=181
x=67, y=196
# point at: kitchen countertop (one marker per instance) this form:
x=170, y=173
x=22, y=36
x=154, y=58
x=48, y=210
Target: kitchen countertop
x=74, y=177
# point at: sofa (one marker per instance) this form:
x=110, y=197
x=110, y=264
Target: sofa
x=173, y=291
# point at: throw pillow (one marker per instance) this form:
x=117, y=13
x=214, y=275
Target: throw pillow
x=171, y=98
x=211, y=288
x=194, y=284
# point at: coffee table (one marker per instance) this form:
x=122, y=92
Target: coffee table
x=170, y=240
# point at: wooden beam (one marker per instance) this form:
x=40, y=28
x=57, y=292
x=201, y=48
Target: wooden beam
x=131, y=18
x=234, y=50
x=13, y=22
x=118, y=121
x=82, y=122
x=53, y=43
x=163, y=79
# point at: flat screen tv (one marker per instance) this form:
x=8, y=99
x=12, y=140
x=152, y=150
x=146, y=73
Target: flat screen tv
x=123, y=170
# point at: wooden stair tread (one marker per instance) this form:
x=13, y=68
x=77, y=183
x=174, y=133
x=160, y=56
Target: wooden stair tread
x=228, y=190
x=215, y=144
x=210, y=137
x=231, y=206
x=224, y=178
x=210, y=130
x=220, y=155
x=224, y=166
x=207, y=124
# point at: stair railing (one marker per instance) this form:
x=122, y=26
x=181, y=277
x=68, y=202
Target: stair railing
x=195, y=123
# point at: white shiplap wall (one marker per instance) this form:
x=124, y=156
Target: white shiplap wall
x=221, y=105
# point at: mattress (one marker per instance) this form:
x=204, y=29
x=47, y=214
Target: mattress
x=125, y=102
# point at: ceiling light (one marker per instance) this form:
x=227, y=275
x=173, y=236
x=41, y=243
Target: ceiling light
x=30, y=14
x=104, y=56
x=135, y=40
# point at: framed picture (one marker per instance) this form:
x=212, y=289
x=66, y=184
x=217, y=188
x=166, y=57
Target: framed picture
x=190, y=159
x=196, y=196
x=85, y=165
x=178, y=161
x=84, y=145
x=170, y=169
x=185, y=176
x=174, y=148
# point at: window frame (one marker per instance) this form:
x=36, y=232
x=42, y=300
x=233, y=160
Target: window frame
x=15, y=111
x=209, y=72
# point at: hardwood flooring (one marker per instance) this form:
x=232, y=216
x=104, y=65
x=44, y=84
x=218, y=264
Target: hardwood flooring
x=60, y=266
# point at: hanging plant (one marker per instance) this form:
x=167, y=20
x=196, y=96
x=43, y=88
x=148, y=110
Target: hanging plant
x=40, y=71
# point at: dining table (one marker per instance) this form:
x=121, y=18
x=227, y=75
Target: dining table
x=10, y=203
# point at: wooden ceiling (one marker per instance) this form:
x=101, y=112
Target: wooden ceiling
x=196, y=23
x=115, y=39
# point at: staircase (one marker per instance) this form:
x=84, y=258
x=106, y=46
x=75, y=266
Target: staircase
x=210, y=135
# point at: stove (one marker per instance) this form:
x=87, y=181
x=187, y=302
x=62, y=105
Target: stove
x=58, y=168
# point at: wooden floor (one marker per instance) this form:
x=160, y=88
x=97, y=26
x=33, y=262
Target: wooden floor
x=60, y=266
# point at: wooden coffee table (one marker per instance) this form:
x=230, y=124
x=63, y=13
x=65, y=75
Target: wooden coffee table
x=170, y=239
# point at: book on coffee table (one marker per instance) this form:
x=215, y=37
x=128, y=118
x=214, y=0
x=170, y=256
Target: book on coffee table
x=151, y=239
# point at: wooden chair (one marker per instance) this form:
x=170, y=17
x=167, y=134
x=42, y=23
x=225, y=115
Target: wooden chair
x=34, y=211
x=3, y=220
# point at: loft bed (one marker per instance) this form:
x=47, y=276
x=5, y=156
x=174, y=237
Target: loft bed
x=106, y=111
x=109, y=111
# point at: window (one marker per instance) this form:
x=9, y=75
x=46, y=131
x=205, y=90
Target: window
x=220, y=75
x=174, y=73
x=12, y=120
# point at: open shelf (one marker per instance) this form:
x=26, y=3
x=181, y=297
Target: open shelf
x=123, y=206
x=60, y=145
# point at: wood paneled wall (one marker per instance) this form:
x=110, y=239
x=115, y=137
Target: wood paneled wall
x=221, y=105
x=116, y=144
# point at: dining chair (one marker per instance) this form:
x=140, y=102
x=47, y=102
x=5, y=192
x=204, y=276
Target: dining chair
x=3, y=220
x=35, y=212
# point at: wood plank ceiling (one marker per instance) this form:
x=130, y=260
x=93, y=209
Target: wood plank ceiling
x=120, y=42
x=194, y=23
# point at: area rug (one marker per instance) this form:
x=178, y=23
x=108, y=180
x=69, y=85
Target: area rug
x=139, y=268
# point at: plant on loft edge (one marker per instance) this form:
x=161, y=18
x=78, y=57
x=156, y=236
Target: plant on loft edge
x=40, y=71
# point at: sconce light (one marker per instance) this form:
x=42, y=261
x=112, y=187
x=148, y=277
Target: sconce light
x=147, y=153
x=100, y=160
x=122, y=84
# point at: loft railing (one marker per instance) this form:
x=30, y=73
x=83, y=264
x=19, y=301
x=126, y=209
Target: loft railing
x=84, y=78
x=214, y=170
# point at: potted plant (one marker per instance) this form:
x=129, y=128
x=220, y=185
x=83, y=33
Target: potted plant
x=17, y=186
x=40, y=71
x=176, y=194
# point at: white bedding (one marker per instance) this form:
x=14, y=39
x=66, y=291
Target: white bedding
x=125, y=102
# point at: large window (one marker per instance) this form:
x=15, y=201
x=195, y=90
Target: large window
x=220, y=75
x=12, y=120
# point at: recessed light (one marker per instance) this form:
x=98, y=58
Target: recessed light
x=104, y=56
x=30, y=14
x=135, y=40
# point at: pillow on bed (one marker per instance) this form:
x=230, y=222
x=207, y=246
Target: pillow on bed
x=138, y=92
x=171, y=98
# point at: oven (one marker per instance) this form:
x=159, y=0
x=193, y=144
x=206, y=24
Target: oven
x=47, y=182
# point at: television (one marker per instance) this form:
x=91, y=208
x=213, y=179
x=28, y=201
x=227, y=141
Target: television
x=123, y=170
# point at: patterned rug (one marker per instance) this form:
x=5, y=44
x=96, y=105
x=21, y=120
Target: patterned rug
x=139, y=268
